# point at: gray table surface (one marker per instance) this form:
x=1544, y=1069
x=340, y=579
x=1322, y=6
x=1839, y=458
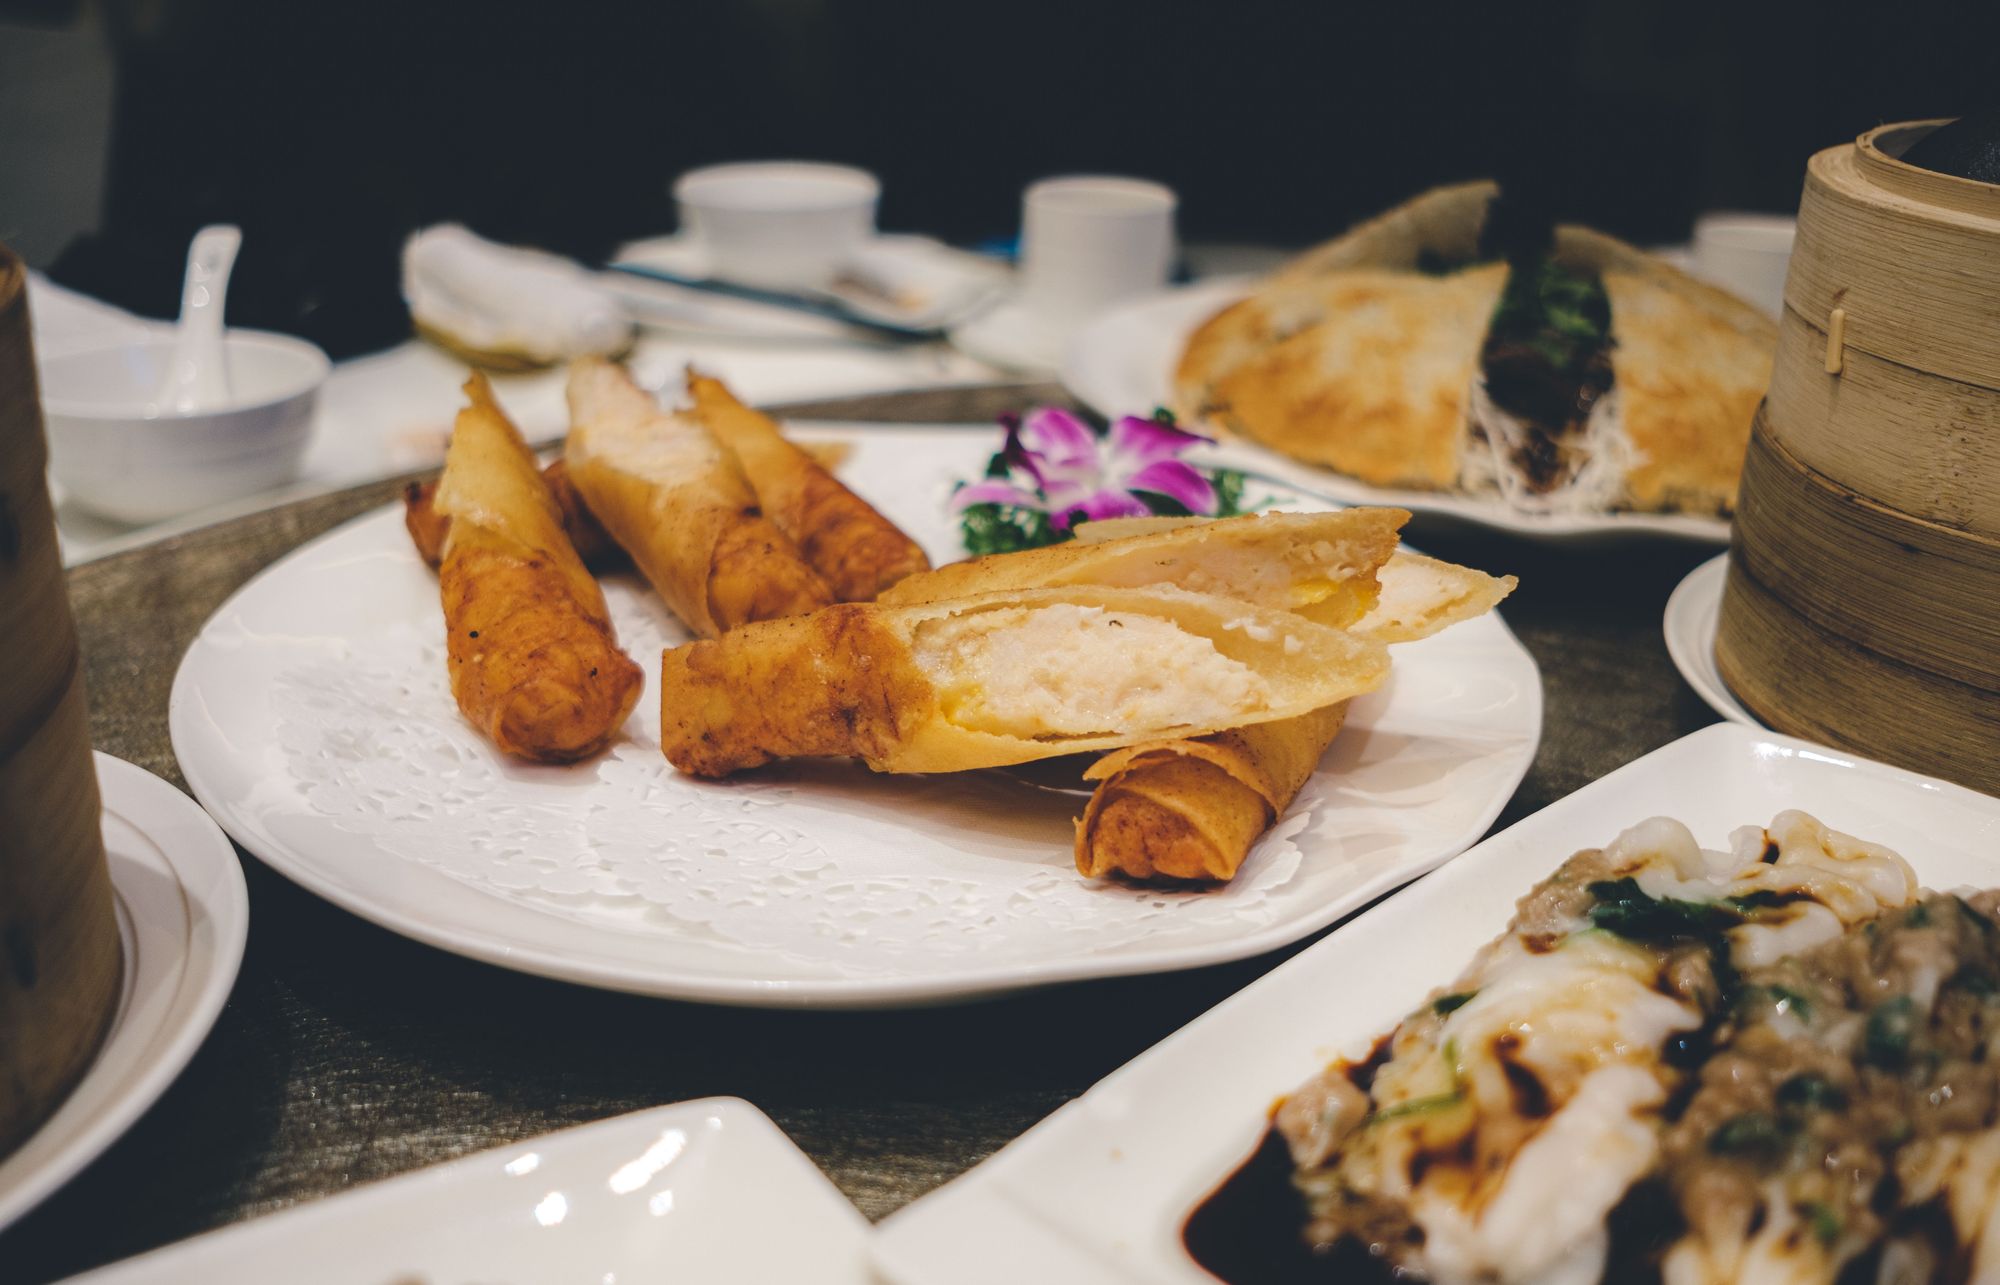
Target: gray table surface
x=347, y=1054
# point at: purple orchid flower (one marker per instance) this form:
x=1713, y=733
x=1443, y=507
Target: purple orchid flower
x=1058, y=466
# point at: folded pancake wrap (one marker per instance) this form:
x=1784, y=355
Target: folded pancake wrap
x=1376, y=355
x=677, y=502
x=998, y=679
x=856, y=550
x=1318, y=565
x=534, y=663
x=1192, y=807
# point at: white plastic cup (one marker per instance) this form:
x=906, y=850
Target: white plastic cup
x=1091, y=241
x=778, y=225
x=1747, y=255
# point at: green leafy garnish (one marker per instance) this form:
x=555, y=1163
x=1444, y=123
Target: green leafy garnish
x=1445, y=1005
x=1623, y=907
x=1826, y=1225
x=1891, y=1027
x=1754, y=1133
x=1417, y=1106
x=1807, y=1091
x=1003, y=528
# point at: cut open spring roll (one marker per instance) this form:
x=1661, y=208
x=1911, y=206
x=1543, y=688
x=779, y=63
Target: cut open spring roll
x=670, y=495
x=1319, y=565
x=998, y=679
x=856, y=550
x=1192, y=807
x=534, y=664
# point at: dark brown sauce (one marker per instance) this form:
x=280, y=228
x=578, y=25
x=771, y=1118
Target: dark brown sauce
x=1251, y=1230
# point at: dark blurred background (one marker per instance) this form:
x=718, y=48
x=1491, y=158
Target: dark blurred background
x=330, y=129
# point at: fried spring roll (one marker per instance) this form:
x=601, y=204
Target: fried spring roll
x=428, y=527
x=1319, y=565
x=998, y=679
x=856, y=550
x=1192, y=807
x=675, y=500
x=534, y=663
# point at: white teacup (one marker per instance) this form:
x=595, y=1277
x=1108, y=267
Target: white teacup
x=1747, y=255
x=1091, y=241
x=780, y=225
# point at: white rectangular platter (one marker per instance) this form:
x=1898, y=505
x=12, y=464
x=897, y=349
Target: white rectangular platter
x=1099, y=1191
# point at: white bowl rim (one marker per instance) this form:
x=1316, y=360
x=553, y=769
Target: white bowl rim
x=846, y=185
x=320, y=366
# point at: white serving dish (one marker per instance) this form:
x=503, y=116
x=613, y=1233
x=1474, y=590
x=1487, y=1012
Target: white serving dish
x=312, y=718
x=707, y=1191
x=1097, y=1193
x=1123, y=364
x=783, y=225
x=183, y=916
x=119, y=454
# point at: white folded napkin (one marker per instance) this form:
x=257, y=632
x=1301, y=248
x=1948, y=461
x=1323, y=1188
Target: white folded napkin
x=64, y=320
x=501, y=299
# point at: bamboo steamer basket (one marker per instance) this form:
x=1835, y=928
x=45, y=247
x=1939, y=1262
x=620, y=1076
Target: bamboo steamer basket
x=1862, y=607
x=60, y=959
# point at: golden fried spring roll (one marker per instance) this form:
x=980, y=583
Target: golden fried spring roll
x=1192, y=807
x=677, y=502
x=534, y=663
x=428, y=527
x=856, y=550
x=998, y=679
x=1319, y=565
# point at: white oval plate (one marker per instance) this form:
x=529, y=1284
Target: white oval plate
x=1096, y=1194
x=183, y=914
x=708, y=1191
x=313, y=720
x=1693, y=613
x=1123, y=364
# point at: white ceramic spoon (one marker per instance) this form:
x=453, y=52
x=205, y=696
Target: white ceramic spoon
x=198, y=375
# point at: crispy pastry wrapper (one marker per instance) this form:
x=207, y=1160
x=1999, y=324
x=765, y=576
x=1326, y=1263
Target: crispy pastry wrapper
x=428, y=527
x=534, y=663
x=1318, y=565
x=869, y=681
x=1191, y=808
x=675, y=500
x=856, y=550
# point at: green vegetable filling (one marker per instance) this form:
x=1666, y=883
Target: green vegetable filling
x=1560, y=314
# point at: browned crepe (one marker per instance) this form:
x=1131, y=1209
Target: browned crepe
x=1380, y=392
x=1317, y=565
x=856, y=550
x=1351, y=358
x=1305, y=292
x=1192, y=808
x=534, y=664
x=675, y=500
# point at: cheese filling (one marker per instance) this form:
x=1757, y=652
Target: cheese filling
x=1064, y=670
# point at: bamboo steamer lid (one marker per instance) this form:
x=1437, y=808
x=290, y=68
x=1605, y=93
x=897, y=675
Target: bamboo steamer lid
x=1862, y=606
x=60, y=967
x=1887, y=377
